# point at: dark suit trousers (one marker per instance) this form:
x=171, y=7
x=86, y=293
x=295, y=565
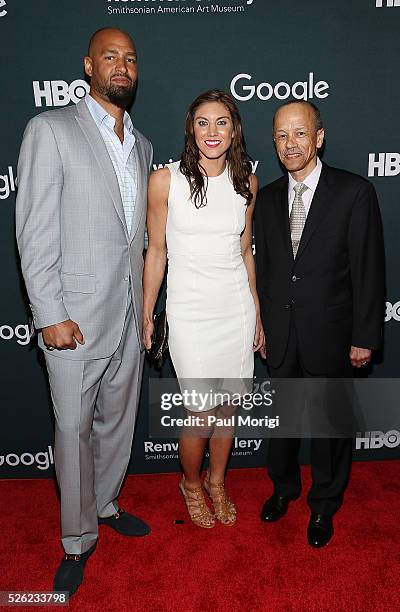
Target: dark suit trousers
x=330, y=458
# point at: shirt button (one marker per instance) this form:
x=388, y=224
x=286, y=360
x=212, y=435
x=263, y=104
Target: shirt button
x=294, y=278
x=126, y=278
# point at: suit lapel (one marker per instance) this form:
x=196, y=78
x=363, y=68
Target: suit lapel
x=282, y=212
x=141, y=189
x=319, y=208
x=96, y=142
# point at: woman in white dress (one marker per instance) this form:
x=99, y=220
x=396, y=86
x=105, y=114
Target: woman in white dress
x=200, y=212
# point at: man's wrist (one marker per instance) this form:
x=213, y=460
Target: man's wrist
x=54, y=324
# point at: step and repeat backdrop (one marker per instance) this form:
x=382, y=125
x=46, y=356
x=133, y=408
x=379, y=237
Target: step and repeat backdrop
x=341, y=55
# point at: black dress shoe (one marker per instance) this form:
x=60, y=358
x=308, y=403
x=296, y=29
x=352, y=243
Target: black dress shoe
x=69, y=575
x=275, y=507
x=320, y=530
x=126, y=524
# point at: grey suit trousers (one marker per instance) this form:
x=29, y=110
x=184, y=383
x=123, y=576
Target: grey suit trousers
x=95, y=404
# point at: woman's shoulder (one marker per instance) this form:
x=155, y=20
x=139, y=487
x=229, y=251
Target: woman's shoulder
x=174, y=167
x=160, y=179
x=253, y=182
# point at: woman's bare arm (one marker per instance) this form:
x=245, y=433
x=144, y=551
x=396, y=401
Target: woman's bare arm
x=156, y=255
x=248, y=258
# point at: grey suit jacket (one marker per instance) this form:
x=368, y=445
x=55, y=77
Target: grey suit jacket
x=76, y=254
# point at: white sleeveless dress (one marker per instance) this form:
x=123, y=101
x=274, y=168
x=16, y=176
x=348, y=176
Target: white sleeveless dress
x=210, y=309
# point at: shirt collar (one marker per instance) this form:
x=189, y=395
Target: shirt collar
x=311, y=180
x=100, y=115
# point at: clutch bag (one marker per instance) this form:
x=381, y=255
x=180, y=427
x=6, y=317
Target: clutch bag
x=159, y=339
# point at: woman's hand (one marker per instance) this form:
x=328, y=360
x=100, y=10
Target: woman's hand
x=259, y=338
x=148, y=330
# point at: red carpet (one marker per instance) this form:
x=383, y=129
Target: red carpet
x=250, y=567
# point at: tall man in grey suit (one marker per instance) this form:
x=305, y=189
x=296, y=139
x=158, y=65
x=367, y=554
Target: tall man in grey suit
x=80, y=219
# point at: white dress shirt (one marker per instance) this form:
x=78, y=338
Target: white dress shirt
x=311, y=181
x=122, y=154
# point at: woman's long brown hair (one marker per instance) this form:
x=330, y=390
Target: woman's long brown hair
x=239, y=166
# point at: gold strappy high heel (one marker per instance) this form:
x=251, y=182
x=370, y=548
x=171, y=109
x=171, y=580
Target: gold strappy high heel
x=224, y=508
x=199, y=512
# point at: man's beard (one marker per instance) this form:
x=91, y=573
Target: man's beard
x=118, y=95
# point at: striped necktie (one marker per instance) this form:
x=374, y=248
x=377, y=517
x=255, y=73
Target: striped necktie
x=297, y=216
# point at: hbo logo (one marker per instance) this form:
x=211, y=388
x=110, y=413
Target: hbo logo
x=3, y=11
x=378, y=439
x=59, y=93
x=392, y=311
x=386, y=164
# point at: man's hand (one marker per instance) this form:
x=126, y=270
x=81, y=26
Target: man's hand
x=359, y=356
x=63, y=335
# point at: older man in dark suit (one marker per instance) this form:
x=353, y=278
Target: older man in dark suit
x=320, y=278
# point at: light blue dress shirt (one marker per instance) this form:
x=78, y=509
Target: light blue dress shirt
x=122, y=154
